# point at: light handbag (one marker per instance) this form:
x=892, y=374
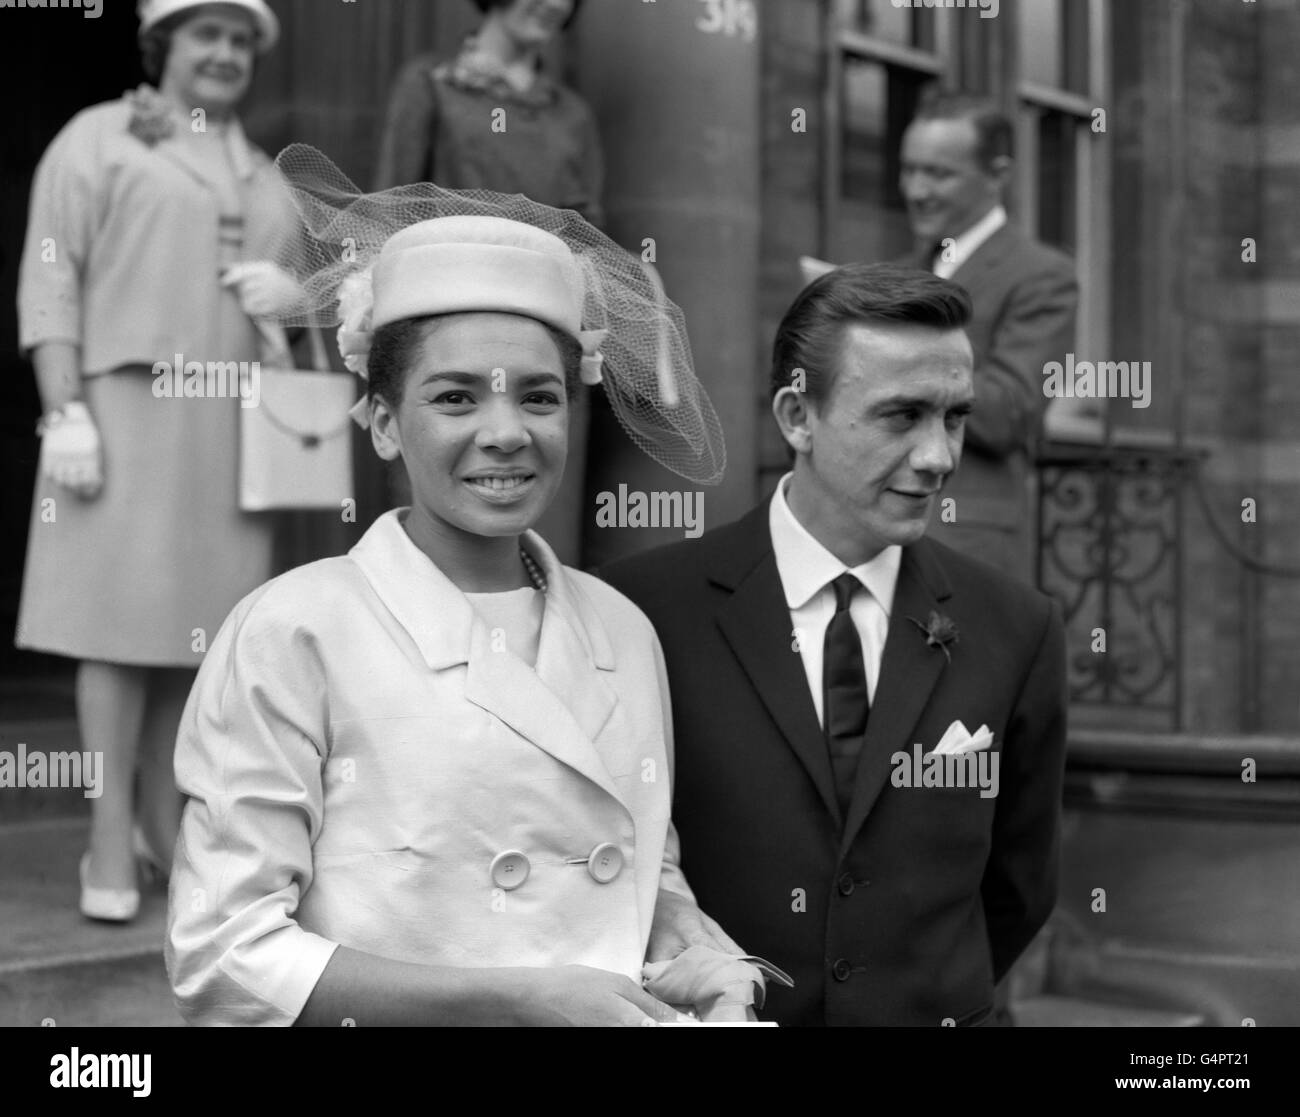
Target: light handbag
x=295, y=438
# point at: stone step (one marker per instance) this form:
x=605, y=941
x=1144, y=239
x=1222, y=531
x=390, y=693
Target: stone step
x=129, y=992
x=1076, y=1012
x=45, y=736
x=57, y=965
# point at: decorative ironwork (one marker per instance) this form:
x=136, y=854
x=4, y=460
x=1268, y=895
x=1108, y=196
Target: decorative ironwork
x=1110, y=536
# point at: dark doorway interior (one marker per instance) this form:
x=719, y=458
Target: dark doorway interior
x=57, y=61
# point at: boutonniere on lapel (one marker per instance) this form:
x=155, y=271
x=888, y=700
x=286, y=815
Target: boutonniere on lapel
x=940, y=632
x=151, y=115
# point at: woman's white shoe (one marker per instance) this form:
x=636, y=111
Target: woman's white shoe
x=112, y=905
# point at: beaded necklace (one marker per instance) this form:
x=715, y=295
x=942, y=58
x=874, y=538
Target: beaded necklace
x=535, y=574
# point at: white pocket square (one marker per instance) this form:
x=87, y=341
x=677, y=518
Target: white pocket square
x=958, y=739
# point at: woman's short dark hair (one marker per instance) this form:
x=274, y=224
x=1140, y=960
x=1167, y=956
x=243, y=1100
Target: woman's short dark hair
x=395, y=347
x=157, y=42
x=486, y=6
x=810, y=336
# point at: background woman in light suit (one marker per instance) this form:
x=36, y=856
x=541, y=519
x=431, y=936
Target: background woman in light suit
x=140, y=208
x=429, y=782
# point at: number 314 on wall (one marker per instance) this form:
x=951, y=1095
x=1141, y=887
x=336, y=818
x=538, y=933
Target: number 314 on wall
x=730, y=17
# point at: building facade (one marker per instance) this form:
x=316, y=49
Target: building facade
x=1159, y=144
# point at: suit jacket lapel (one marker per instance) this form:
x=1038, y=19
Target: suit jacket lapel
x=985, y=258
x=756, y=623
x=910, y=669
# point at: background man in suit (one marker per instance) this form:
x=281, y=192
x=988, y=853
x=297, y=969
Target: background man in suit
x=955, y=166
x=812, y=642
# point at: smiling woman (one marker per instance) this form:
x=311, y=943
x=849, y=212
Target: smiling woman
x=208, y=48
x=429, y=782
x=480, y=419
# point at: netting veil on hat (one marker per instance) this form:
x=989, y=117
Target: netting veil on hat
x=370, y=259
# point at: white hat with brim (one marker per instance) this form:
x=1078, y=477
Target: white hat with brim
x=451, y=265
x=369, y=260
x=153, y=12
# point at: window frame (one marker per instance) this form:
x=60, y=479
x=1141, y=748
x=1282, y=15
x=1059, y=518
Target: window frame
x=1092, y=185
x=846, y=42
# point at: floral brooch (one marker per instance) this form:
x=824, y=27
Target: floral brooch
x=940, y=632
x=151, y=115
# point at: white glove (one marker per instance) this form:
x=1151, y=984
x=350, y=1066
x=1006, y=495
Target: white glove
x=264, y=289
x=71, y=452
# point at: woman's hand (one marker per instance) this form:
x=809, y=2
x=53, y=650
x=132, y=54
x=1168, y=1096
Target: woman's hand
x=71, y=451
x=580, y=996
x=264, y=289
x=678, y=924
x=369, y=990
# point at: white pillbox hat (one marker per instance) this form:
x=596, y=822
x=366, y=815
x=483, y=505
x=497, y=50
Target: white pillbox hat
x=451, y=265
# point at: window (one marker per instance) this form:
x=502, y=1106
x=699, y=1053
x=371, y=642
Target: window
x=1043, y=60
x=1062, y=188
x=881, y=58
x=913, y=27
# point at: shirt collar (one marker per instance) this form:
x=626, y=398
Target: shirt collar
x=965, y=245
x=805, y=566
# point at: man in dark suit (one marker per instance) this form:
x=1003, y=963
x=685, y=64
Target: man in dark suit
x=819, y=649
x=955, y=167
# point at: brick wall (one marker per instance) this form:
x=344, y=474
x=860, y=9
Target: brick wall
x=1279, y=151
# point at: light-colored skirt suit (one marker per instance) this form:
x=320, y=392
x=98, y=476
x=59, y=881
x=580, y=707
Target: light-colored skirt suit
x=145, y=572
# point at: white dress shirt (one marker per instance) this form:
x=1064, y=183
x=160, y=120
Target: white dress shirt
x=965, y=245
x=807, y=570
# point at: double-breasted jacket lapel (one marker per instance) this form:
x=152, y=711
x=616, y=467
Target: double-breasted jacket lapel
x=561, y=705
x=756, y=623
x=909, y=670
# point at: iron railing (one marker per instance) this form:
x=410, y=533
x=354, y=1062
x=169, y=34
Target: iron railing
x=1110, y=537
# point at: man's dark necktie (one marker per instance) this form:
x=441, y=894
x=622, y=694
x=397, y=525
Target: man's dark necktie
x=844, y=691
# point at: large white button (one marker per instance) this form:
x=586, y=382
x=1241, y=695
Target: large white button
x=605, y=862
x=509, y=869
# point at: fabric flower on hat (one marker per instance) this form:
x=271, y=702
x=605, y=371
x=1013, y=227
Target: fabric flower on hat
x=356, y=308
x=592, y=358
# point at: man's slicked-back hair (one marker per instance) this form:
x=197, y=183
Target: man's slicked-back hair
x=994, y=135
x=810, y=337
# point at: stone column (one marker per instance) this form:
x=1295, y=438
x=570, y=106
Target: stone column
x=675, y=87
